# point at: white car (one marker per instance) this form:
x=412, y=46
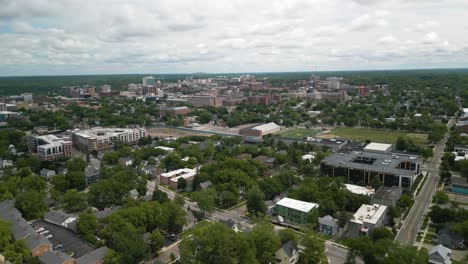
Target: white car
x=44, y=232
x=49, y=236
x=40, y=230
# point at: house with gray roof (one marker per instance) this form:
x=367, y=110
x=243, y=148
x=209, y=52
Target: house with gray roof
x=94, y=257
x=327, y=225
x=47, y=174
x=388, y=196
x=37, y=244
x=92, y=174
x=61, y=218
x=287, y=254
x=106, y=212
x=56, y=257
x=440, y=255
x=450, y=239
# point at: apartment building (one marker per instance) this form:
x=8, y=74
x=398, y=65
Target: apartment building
x=51, y=147
x=366, y=219
x=99, y=139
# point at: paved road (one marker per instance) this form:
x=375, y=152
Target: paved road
x=335, y=254
x=412, y=224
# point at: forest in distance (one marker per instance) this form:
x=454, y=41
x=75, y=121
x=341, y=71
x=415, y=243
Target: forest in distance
x=457, y=78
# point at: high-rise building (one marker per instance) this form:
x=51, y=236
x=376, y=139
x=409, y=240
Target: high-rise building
x=97, y=139
x=149, y=81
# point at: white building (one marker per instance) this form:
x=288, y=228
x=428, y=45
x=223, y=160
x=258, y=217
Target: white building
x=97, y=139
x=171, y=178
x=366, y=219
x=51, y=147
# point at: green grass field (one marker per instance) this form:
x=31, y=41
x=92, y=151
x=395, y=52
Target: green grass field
x=300, y=133
x=381, y=136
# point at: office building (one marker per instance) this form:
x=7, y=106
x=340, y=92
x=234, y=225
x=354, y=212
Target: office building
x=205, y=101
x=366, y=219
x=293, y=210
x=174, y=111
x=51, y=147
x=99, y=139
x=375, y=162
x=149, y=81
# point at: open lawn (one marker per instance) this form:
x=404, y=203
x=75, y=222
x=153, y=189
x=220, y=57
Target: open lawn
x=381, y=136
x=300, y=133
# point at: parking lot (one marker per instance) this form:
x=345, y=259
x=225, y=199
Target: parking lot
x=70, y=240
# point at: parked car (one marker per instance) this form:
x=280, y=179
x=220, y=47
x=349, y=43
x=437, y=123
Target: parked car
x=49, y=236
x=40, y=229
x=57, y=247
x=44, y=232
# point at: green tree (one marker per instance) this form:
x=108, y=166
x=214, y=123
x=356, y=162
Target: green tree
x=381, y=233
x=87, y=225
x=76, y=180
x=107, y=193
x=463, y=168
x=4, y=234
x=440, y=197
x=181, y=184
x=156, y=241
x=74, y=201
x=31, y=204
x=205, y=199
x=314, y=250
x=255, y=203
x=160, y=196
x=17, y=252
x=76, y=164
x=266, y=242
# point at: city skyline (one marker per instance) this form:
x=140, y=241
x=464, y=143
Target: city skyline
x=69, y=38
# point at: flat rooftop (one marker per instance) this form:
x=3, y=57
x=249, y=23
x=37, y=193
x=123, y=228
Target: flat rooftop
x=381, y=147
x=179, y=172
x=369, y=213
x=297, y=204
x=360, y=189
x=381, y=162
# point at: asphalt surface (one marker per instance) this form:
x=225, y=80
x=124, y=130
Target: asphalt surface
x=70, y=240
x=410, y=228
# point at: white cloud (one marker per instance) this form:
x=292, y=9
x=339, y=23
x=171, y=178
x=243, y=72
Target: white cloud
x=95, y=36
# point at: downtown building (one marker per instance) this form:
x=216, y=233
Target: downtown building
x=51, y=147
x=376, y=162
x=100, y=139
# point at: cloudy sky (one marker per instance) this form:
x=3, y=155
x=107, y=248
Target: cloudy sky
x=40, y=37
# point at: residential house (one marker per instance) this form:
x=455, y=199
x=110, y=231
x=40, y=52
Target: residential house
x=205, y=185
x=60, y=218
x=20, y=229
x=440, y=255
x=56, y=257
x=94, y=257
x=287, y=254
x=268, y=161
x=148, y=169
x=92, y=174
x=327, y=225
x=230, y=224
x=106, y=212
x=47, y=174
x=125, y=161
x=450, y=239
x=294, y=210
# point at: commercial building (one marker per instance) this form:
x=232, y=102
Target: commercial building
x=374, y=162
x=462, y=126
x=149, y=81
x=174, y=111
x=263, y=99
x=293, y=210
x=260, y=130
x=366, y=219
x=171, y=178
x=99, y=139
x=51, y=147
x=205, y=101
x=5, y=115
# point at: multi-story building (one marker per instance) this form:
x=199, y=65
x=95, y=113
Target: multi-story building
x=174, y=111
x=149, y=81
x=366, y=219
x=205, y=101
x=295, y=211
x=375, y=162
x=263, y=99
x=99, y=139
x=171, y=178
x=51, y=147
